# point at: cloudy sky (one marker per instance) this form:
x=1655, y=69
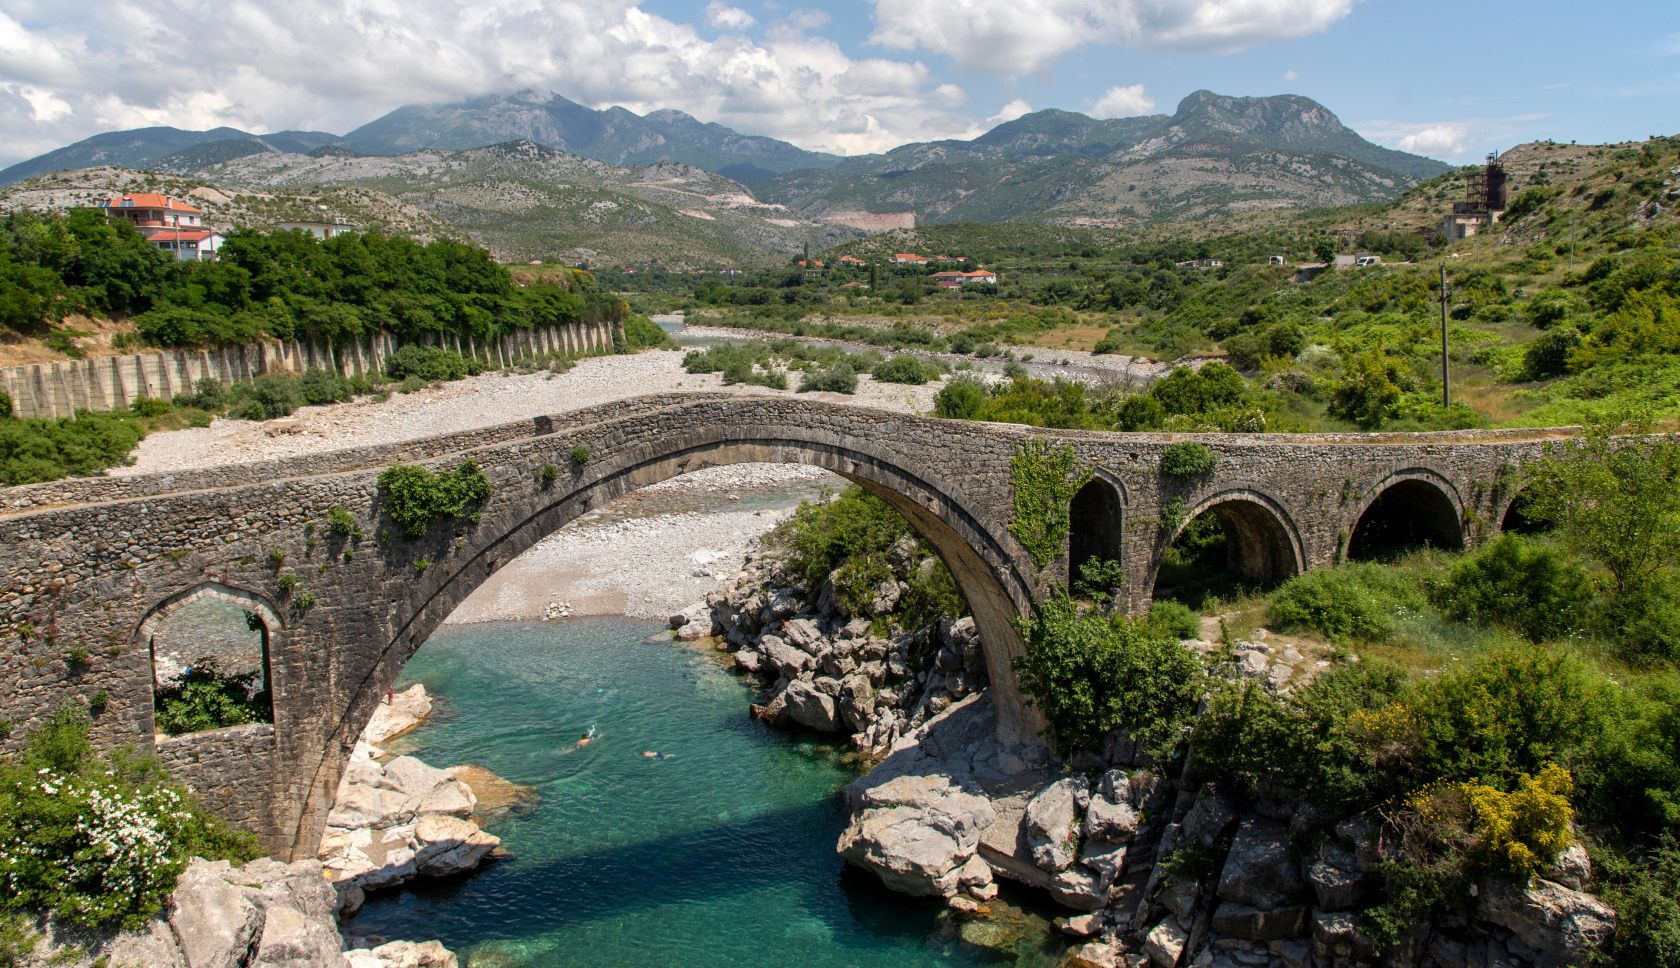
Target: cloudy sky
x=1447, y=79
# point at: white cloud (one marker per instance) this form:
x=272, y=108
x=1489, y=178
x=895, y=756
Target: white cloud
x=1291, y=76
x=1014, y=109
x=1123, y=102
x=1440, y=139
x=1022, y=36
x=68, y=71
x=1446, y=139
x=721, y=16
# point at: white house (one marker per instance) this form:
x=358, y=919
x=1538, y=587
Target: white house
x=321, y=230
x=167, y=223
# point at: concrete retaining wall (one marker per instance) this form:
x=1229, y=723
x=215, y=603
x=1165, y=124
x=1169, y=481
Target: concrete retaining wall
x=61, y=388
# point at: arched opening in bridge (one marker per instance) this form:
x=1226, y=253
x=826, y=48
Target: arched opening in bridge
x=1094, y=539
x=1232, y=543
x=612, y=816
x=1521, y=517
x=1408, y=514
x=210, y=661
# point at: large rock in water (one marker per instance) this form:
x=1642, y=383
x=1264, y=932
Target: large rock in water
x=401, y=954
x=1050, y=820
x=810, y=707
x=916, y=833
x=1566, y=926
x=450, y=845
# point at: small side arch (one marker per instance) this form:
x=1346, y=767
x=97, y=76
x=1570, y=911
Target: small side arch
x=1409, y=508
x=249, y=600
x=1517, y=519
x=1262, y=543
x=1095, y=522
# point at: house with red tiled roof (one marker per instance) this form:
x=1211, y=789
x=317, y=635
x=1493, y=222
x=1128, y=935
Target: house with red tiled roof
x=167, y=223
x=955, y=278
x=848, y=260
x=909, y=259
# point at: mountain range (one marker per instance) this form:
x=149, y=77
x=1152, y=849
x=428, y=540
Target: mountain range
x=536, y=175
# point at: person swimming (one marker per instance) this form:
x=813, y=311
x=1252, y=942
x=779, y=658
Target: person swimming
x=650, y=754
x=583, y=740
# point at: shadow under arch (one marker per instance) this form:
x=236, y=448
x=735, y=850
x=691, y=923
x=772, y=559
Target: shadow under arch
x=983, y=564
x=1518, y=517
x=1095, y=520
x=1262, y=543
x=1408, y=509
x=269, y=626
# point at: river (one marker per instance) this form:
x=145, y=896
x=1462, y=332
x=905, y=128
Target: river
x=720, y=854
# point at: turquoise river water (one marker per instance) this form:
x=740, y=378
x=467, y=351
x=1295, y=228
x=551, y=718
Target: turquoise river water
x=720, y=854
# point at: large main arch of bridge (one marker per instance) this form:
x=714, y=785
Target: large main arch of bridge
x=978, y=556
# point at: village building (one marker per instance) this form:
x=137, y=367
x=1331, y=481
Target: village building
x=908, y=259
x=167, y=223
x=320, y=230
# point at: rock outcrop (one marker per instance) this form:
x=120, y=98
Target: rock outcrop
x=826, y=669
x=263, y=915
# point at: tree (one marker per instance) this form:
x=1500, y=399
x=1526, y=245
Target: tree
x=1324, y=247
x=1615, y=498
x=1370, y=392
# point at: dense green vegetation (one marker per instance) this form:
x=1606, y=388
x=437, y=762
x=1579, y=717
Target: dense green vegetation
x=852, y=541
x=98, y=840
x=1548, y=694
x=415, y=497
x=283, y=285
x=45, y=450
x=206, y=698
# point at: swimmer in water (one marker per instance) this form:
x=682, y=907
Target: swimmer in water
x=650, y=754
x=583, y=740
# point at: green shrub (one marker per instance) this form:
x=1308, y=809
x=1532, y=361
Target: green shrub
x=1532, y=589
x=641, y=332
x=279, y=394
x=46, y=450
x=1647, y=903
x=430, y=364
x=1097, y=578
x=959, y=399
x=1176, y=619
x=742, y=371
x=415, y=497
x=205, y=698
x=207, y=394
x=839, y=378
x=1360, y=601
x=340, y=522
x=1548, y=356
x=149, y=407
x=1188, y=459
x=580, y=455
x=549, y=473
x=412, y=384
x=247, y=410
x=5, y=404
x=286, y=582
x=1213, y=387
x=97, y=840
x=319, y=386
x=1370, y=392
x=900, y=369
x=1090, y=675
x=1139, y=413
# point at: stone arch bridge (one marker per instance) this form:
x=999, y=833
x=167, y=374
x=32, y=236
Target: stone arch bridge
x=86, y=564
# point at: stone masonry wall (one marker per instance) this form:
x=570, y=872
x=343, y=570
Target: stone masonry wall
x=230, y=769
x=81, y=578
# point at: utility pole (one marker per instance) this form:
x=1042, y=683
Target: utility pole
x=1446, y=392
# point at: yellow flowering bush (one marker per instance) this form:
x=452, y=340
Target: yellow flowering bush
x=1522, y=832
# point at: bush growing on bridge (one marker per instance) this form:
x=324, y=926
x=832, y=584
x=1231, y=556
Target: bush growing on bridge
x=1188, y=459
x=415, y=497
x=98, y=840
